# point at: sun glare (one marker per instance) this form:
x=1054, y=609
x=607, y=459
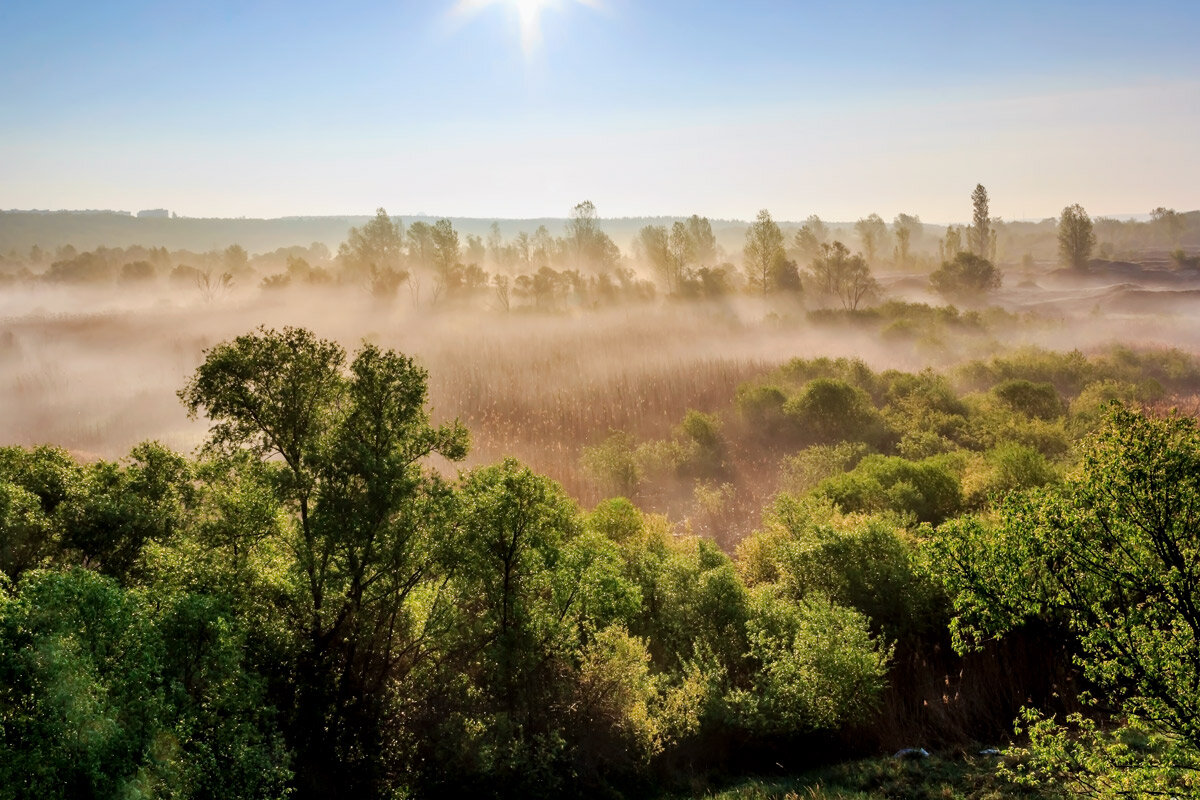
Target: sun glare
x=528, y=15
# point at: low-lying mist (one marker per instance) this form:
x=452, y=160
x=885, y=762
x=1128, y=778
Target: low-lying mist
x=95, y=370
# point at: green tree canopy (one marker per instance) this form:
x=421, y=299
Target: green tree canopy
x=763, y=250
x=964, y=275
x=1076, y=238
x=1112, y=556
x=841, y=275
x=872, y=232
x=368, y=519
x=378, y=244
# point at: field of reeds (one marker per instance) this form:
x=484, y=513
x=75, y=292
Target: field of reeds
x=96, y=371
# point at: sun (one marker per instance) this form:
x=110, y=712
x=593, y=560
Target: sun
x=528, y=14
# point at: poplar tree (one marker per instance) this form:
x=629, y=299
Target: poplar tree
x=980, y=235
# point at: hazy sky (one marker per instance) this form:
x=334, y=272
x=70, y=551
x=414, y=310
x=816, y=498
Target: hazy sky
x=272, y=108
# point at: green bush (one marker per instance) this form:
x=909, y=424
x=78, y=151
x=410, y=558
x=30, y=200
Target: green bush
x=1035, y=400
x=1068, y=372
x=854, y=371
x=1007, y=468
x=109, y=693
x=804, y=470
x=613, y=464
x=929, y=490
x=861, y=562
x=993, y=422
x=703, y=450
x=761, y=408
x=696, y=450
x=966, y=274
x=926, y=413
x=817, y=665
x=831, y=411
x=1087, y=411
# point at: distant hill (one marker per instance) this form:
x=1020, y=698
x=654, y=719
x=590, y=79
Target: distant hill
x=87, y=230
x=21, y=230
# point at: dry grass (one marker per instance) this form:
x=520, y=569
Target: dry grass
x=98, y=373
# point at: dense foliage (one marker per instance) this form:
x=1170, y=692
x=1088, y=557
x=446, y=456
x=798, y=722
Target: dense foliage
x=308, y=608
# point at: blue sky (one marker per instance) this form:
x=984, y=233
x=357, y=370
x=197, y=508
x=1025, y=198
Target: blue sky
x=842, y=109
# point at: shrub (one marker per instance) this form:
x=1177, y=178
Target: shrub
x=866, y=563
x=1036, y=400
x=854, y=371
x=1007, y=468
x=1068, y=372
x=88, y=267
x=612, y=464
x=761, y=408
x=830, y=410
x=702, y=445
x=928, y=489
x=281, y=280
x=966, y=274
x=804, y=470
x=137, y=271
x=1087, y=411
x=817, y=665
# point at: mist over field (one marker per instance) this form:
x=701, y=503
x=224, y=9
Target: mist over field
x=97, y=343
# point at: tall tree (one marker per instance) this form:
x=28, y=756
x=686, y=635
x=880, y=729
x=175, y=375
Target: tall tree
x=1170, y=222
x=1076, y=238
x=682, y=251
x=653, y=246
x=446, y=249
x=808, y=240
x=763, y=250
x=368, y=519
x=979, y=237
x=495, y=245
x=588, y=247
x=420, y=244
x=704, y=243
x=237, y=260
x=379, y=244
x=543, y=248
x=476, y=250
x=839, y=274
x=951, y=244
x=520, y=250
x=903, y=246
x=908, y=230
x=872, y=232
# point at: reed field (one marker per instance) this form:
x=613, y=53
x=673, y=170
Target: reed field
x=95, y=370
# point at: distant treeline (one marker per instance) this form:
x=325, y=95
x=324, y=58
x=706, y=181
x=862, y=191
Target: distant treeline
x=21, y=230
x=49, y=230
x=580, y=264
